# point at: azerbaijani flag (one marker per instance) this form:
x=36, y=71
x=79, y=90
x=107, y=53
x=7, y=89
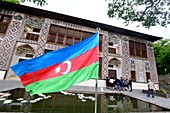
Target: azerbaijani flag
x=60, y=69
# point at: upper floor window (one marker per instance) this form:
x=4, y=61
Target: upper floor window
x=112, y=50
x=67, y=36
x=4, y=22
x=32, y=28
x=137, y=49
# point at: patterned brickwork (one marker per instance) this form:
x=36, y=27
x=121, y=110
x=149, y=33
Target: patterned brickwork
x=125, y=58
x=104, y=104
x=8, y=44
x=151, y=57
x=105, y=56
x=43, y=38
x=74, y=26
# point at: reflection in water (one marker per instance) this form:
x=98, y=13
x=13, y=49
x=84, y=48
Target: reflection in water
x=73, y=103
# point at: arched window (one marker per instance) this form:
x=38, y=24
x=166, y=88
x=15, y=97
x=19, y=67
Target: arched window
x=114, y=62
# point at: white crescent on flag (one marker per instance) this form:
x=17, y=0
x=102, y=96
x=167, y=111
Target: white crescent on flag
x=68, y=67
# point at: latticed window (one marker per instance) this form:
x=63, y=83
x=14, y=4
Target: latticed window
x=67, y=36
x=112, y=50
x=4, y=22
x=137, y=49
x=31, y=36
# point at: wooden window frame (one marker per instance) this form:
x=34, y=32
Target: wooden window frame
x=32, y=36
x=137, y=49
x=63, y=34
x=112, y=50
x=133, y=75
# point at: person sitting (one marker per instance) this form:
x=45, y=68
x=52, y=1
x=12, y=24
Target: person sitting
x=125, y=85
x=117, y=84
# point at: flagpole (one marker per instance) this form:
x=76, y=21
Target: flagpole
x=96, y=86
x=96, y=96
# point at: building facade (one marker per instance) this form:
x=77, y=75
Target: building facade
x=27, y=32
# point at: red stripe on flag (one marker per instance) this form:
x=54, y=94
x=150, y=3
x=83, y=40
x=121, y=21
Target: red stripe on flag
x=77, y=63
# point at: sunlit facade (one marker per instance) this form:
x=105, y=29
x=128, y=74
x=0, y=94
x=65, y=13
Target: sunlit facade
x=30, y=32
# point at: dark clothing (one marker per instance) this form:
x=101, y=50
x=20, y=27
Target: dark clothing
x=117, y=84
x=107, y=82
x=130, y=85
x=151, y=91
x=121, y=82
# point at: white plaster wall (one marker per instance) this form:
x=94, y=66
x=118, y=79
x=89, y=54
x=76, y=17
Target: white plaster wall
x=2, y=75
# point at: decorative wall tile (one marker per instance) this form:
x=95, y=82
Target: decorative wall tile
x=8, y=44
x=43, y=37
x=105, y=56
x=151, y=57
x=74, y=26
x=125, y=58
x=132, y=61
x=104, y=104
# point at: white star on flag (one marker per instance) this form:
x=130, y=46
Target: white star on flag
x=57, y=69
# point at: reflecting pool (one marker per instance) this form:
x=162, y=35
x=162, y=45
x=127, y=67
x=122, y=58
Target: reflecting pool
x=63, y=102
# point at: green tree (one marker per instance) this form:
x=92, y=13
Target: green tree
x=38, y=2
x=162, y=55
x=146, y=12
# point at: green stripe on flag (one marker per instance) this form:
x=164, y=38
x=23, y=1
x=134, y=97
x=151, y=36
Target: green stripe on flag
x=64, y=82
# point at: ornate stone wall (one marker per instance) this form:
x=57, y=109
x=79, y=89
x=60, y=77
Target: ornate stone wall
x=151, y=57
x=8, y=44
x=105, y=56
x=125, y=58
x=43, y=37
x=104, y=104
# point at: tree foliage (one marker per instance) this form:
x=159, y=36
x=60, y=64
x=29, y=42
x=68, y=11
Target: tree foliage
x=146, y=12
x=162, y=55
x=37, y=2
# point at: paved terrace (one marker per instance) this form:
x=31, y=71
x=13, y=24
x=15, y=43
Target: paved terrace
x=160, y=101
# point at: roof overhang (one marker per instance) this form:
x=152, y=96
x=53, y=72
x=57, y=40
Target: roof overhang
x=75, y=20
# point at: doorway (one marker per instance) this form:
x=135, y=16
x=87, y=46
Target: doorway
x=112, y=73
